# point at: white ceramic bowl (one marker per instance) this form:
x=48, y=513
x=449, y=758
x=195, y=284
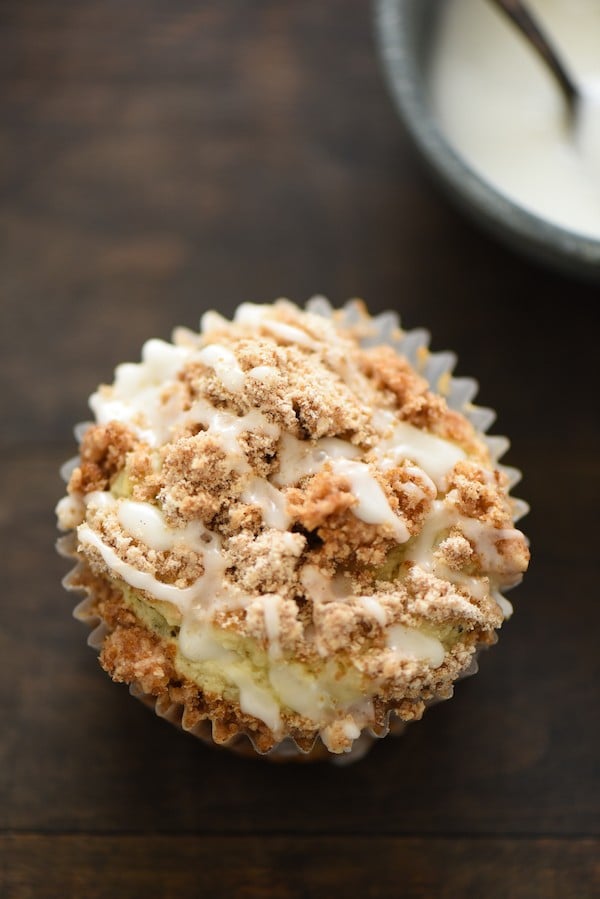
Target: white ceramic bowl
x=404, y=32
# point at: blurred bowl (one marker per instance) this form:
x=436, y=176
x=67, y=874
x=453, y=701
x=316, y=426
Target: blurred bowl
x=405, y=30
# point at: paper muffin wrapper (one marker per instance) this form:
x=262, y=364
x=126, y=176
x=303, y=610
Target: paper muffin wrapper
x=436, y=368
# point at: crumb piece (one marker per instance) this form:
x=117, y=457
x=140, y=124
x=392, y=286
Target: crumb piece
x=179, y=566
x=197, y=479
x=477, y=492
x=455, y=551
x=243, y=517
x=415, y=403
x=326, y=494
x=324, y=506
x=267, y=563
x=289, y=630
x=103, y=451
x=410, y=494
x=343, y=625
x=392, y=372
x=133, y=654
x=142, y=471
x=436, y=600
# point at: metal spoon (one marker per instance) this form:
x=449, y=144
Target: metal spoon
x=524, y=20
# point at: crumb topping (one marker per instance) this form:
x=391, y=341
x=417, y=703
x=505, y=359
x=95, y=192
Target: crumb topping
x=102, y=455
x=302, y=508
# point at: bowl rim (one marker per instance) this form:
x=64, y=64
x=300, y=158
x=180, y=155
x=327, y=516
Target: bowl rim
x=498, y=213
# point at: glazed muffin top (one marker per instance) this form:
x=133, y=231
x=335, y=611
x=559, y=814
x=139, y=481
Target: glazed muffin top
x=277, y=479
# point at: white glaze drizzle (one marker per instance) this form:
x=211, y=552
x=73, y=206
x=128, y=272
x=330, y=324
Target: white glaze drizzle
x=136, y=396
x=226, y=428
x=250, y=315
x=373, y=606
x=271, y=604
x=182, y=597
x=290, y=334
x=256, y=700
x=481, y=534
x=70, y=511
x=272, y=503
x=197, y=643
x=225, y=366
x=299, y=458
x=264, y=373
x=411, y=643
x=213, y=321
x=422, y=487
x=478, y=587
x=146, y=523
x=373, y=506
x=322, y=588
x=434, y=455
x=505, y=605
x=358, y=715
x=317, y=585
x=255, y=316
x=439, y=518
x=486, y=538
x=298, y=691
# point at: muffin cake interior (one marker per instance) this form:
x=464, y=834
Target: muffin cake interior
x=286, y=531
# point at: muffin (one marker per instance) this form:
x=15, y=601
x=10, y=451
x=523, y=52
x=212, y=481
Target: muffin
x=288, y=536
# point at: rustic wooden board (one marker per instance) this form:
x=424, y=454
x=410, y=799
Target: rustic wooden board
x=277, y=867
x=158, y=159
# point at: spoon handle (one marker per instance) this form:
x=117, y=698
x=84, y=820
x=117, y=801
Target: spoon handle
x=522, y=17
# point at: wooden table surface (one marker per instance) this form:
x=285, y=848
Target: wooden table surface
x=162, y=158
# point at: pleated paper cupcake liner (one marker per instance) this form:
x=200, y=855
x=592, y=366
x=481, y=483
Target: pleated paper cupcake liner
x=436, y=368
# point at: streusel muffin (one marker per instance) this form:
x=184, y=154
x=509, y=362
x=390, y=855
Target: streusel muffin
x=286, y=533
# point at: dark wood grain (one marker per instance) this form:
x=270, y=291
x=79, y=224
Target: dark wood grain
x=273, y=867
x=159, y=159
